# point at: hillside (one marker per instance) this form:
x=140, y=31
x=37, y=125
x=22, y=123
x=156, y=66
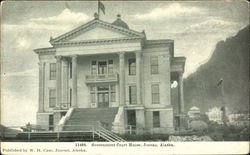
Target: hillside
x=230, y=61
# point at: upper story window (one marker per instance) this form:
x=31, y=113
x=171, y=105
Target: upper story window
x=156, y=119
x=154, y=65
x=102, y=67
x=132, y=66
x=70, y=70
x=52, y=98
x=93, y=68
x=132, y=95
x=111, y=66
x=52, y=71
x=155, y=94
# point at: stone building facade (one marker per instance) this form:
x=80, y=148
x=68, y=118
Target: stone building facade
x=101, y=65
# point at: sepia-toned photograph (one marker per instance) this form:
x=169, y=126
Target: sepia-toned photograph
x=124, y=71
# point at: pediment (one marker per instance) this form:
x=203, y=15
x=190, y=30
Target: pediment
x=96, y=30
x=98, y=33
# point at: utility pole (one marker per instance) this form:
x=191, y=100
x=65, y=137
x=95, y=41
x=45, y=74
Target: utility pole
x=223, y=103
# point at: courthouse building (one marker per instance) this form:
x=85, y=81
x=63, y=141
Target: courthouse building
x=109, y=73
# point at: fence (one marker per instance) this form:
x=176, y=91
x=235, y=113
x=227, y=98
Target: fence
x=71, y=133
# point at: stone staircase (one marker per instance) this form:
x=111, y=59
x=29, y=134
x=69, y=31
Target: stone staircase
x=84, y=119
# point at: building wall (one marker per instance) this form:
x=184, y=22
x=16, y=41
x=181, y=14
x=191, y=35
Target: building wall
x=43, y=120
x=48, y=84
x=166, y=121
x=144, y=117
x=162, y=78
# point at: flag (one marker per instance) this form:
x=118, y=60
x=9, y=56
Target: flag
x=101, y=7
x=220, y=82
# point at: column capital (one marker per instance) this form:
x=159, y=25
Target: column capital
x=58, y=57
x=74, y=58
x=121, y=55
x=41, y=64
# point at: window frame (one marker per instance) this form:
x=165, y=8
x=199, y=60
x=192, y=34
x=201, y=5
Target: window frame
x=112, y=93
x=94, y=67
x=110, y=66
x=154, y=65
x=52, y=76
x=132, y=66
x=70, y=70
x=156, y=119
x=50, y=98
x=155, y=94
x=132, y=95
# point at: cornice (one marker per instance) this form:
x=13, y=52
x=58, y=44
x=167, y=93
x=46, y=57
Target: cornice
x=96, y=42
x=45, y=50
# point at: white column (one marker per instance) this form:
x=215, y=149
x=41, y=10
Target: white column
x=74, y=81
x=41, y=86
x=65, y=81
x=58, y=81
x=122, y=79
x=181, y=97
x=138, y=77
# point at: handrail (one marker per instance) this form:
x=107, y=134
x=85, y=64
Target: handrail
x=108, y=134
x=111, y=134
x=105, y=136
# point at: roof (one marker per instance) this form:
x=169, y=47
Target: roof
x=120, y=22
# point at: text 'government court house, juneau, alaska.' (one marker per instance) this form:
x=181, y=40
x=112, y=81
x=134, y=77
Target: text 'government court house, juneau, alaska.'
x=106, y=73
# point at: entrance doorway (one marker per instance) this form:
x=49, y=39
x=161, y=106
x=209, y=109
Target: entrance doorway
x=131, y=120
x=103, y=96
x=103, y=100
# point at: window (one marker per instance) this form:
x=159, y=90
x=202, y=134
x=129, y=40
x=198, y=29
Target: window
x=156, y=119
x=154, y=65
x=111, y=66
x=132, y=94
x=155, y=94
x=132, y=66
x=102, y=67
x=70, y=96
x=52, y=74
x=112, y=87
x=93, y=68
x=51, y=122
x=70, y=70
x=52, y=98
x=92, y=97
x=92, y=94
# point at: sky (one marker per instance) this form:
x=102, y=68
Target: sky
x=195, y=27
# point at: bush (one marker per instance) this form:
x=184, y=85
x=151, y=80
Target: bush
x=146, y=137
x=198, y=125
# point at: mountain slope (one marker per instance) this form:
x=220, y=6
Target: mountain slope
x=230, y=61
